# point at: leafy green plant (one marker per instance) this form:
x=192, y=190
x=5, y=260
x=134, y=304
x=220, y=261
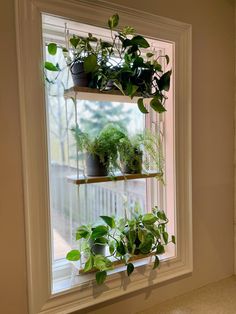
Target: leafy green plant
x=104, y=145
x=146, y=147
x=125, y=62
x=138, y=72
x=126, y=239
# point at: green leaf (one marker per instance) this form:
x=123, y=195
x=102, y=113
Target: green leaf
x=101, y=277
x=99, y=232
x=149, y=219
x=119, y=86
x=121, y=248
x=52, y=48
x=141, y=106
x=89, y=263
x=146, y=246
x=109, y=221
x=74, y=41
x=111, y=247
x=105, y=44
x=101, y=262
x=156, y=262
x=157, y=105
x=157, y=66
x=90, y=63
x=141, y=235
x=173, y=239
x=165, y=237
x=160, y=249
x=113, y=21
x=102, y=241
x=130, y=268
x=82, y=232
x=51, y=67
x=149, y=54
x=127, y=30
x=73, y=255
x=131, y=90
x=139, y=41
x=164, y=81
x=161, y=215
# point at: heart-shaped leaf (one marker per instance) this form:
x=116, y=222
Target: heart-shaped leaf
x=101, y=277
x=113, y=21
x=99, y=232
x=73, y=255
x=52, y=48
x=141, y=106
x=156, y=262
x=130, y=269
x=51, y=67
x=109, y=221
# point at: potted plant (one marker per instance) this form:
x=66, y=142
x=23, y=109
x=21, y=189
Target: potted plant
x=138, y=71
x=102, y=151
x=126, y=62
x=141, y=152
x=84, y=57
x=131, y=155
x=126, y=239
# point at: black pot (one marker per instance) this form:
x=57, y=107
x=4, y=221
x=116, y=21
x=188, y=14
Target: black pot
x=133, y=165
x=79, y=76
x=95, y=167
x=97, y=248
x=143, y=79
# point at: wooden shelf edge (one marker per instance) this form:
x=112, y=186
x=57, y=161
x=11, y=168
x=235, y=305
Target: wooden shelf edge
x=118, y=263
x=87, y=93
x=119, y=177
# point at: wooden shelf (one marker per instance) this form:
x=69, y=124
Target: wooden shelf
x=118, y=177
x=86, y=93
x=117, y=263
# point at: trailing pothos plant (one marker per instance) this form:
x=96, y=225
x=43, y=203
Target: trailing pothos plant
x=126, y=239
x=125, y=62
x=137, y=72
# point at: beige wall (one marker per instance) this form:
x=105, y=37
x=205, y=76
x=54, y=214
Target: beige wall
x=213, y=108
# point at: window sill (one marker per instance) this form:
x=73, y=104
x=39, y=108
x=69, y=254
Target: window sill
x=67, y=275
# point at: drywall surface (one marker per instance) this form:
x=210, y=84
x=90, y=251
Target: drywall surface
x=212, y=120
x=13, y=293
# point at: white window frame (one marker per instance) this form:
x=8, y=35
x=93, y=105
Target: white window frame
x=34, y=149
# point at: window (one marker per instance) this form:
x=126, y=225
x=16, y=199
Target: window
x=34, y=130
x=76, y=203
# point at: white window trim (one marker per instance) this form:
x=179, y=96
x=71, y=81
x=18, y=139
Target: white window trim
x=34, y=149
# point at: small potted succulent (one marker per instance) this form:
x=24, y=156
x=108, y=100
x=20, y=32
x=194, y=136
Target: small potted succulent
x=126, y=240
x=102, y=151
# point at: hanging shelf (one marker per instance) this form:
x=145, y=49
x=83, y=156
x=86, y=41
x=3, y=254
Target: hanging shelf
x=87, y=93
x=82, y=179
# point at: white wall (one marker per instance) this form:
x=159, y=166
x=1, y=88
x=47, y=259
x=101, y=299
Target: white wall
x=212, y=114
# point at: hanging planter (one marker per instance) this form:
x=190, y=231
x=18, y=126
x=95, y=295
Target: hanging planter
x=124, y=62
